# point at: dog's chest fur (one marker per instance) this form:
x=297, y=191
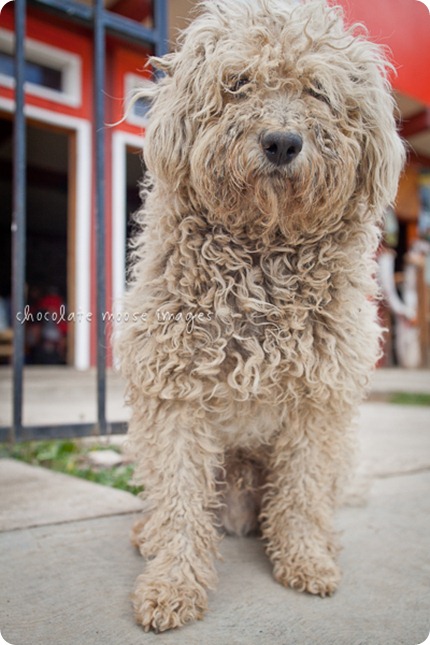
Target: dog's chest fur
x=268, y=332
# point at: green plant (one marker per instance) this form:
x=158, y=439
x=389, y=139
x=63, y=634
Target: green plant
x=410, y=398
x=69, y=457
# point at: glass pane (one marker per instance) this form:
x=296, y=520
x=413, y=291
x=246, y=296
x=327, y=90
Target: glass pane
x=141, y=107
x=34, y=72
x=45, y=76
x=6, y=64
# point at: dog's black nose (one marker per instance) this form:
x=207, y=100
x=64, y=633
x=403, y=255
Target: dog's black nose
x=281, y=147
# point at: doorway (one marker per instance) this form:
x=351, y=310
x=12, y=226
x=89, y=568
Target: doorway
x=47, y=337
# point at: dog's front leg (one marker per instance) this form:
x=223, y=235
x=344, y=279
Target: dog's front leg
x=308, y=461
x=177, y=462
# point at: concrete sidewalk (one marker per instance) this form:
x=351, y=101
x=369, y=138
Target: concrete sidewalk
x=67, y=566
x=72, y=394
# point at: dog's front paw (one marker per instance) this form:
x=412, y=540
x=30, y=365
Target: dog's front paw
x=164, y=604
x=320, y=576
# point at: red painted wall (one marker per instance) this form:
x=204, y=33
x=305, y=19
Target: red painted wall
x=403, y=26
x=122, y=59
x=50, y=30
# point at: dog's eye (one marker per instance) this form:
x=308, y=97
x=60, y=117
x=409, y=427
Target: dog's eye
x=238, y=83
x=318, y=94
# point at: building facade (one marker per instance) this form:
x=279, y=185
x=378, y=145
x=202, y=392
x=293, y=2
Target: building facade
x=61, y=270
x=59, y=95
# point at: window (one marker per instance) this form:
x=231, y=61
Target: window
x=34, y=73
x=139, y=109
x=50, y=73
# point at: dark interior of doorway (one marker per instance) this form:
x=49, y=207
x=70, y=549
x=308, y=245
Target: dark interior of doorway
x=46, y=239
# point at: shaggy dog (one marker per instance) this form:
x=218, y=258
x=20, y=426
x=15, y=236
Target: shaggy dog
x=250, y=326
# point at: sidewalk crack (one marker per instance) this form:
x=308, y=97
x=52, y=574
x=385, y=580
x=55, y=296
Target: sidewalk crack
x=401, y=473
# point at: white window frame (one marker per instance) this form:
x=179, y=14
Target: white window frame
x=70, y=65
x=120, y=142
x=133, y=82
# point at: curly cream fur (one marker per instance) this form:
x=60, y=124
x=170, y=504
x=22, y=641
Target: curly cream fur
x=251, y=326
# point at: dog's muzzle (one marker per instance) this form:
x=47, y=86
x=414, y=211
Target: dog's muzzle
x=281, y=148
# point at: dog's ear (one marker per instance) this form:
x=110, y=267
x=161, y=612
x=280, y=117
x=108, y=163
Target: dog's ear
x=182, y=98
x=382, y=151
x=382, y=159
x=164, y=143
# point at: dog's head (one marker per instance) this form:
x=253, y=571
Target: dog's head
x=272, y=113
